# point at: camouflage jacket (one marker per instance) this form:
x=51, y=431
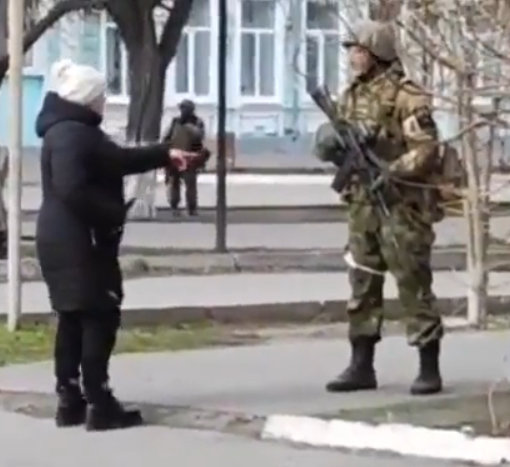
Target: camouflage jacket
x=400, y=114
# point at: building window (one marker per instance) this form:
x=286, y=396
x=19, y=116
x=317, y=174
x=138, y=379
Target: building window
x=322, y=50
x=116, y=68
x=258, y=48
x=193, y=60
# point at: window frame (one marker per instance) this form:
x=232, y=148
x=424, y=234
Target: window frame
x=321, y=34
x=278, y=33
x=123, y=96
x=191, y=31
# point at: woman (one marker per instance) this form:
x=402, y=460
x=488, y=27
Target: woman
x=79, y=230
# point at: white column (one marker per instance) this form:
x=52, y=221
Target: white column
x=15, y=49
x=234, y=64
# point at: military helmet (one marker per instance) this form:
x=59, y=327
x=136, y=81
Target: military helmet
x=187, y=104
x=377, y=37
x=325, y=143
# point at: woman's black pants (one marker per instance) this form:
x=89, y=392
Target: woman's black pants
x=84, y=343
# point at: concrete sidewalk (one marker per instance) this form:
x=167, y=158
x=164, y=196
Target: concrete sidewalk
x=237, y=298
x=248, y=190
x=301, y=236
x=269, y=192
x=282, y=377
x=233, y=390
x=28, y=442
x=451, y=231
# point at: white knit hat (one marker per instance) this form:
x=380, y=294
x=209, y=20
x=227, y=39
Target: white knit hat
x=81, y=84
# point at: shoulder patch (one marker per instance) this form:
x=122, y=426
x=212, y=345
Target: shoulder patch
x=419, y=125
x=424, y=118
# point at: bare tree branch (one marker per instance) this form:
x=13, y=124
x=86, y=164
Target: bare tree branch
x=179, y=16
x=59, y=10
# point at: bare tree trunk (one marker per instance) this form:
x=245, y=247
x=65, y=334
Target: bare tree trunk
x=475, y=212
x=144, y=122
x=148, y=61
x=147, y=78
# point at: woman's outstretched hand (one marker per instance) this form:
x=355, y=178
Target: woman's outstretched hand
x=180, y=158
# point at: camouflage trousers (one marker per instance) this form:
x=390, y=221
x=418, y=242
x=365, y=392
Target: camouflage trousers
x=400, y=244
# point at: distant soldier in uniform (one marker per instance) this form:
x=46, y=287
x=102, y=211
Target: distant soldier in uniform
x=4, y=172
x=186, y=132
x=400, y=116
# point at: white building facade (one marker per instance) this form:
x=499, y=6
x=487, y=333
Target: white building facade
x=277, y=50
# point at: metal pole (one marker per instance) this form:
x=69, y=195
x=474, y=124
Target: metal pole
x=221, y=160
x=15, y=79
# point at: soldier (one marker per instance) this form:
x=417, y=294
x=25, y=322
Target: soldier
x=399, y=113
x=186, y=132
x=4, y=172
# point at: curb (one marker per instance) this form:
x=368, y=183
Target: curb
x=265, y=170
x=267, y=313
x=400, y=439
x=167, y=263
x=406, y=440
x=272, y=214
x=325, y=170
x=335, y=213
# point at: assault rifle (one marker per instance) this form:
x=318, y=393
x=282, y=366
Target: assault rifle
x=354, y=155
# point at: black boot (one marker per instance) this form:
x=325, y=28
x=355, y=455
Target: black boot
x=360, y=374
x=71, y=408
x=429, y=377
x=108, y=413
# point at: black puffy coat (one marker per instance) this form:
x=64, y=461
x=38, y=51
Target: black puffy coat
x=83, y=211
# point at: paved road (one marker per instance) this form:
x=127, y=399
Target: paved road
x=283, y=377
x=272, y=236
x=27, y=442
x=281, y=236
x=270, y=193
x=232, y=381
x=281, y=152
x=262, y=155
x=250, y=289
x=245, y=190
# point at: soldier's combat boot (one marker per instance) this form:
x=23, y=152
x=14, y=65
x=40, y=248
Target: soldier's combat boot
x=360, y=374
x=109, y=414
x=429, y=377
x=71, y=408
